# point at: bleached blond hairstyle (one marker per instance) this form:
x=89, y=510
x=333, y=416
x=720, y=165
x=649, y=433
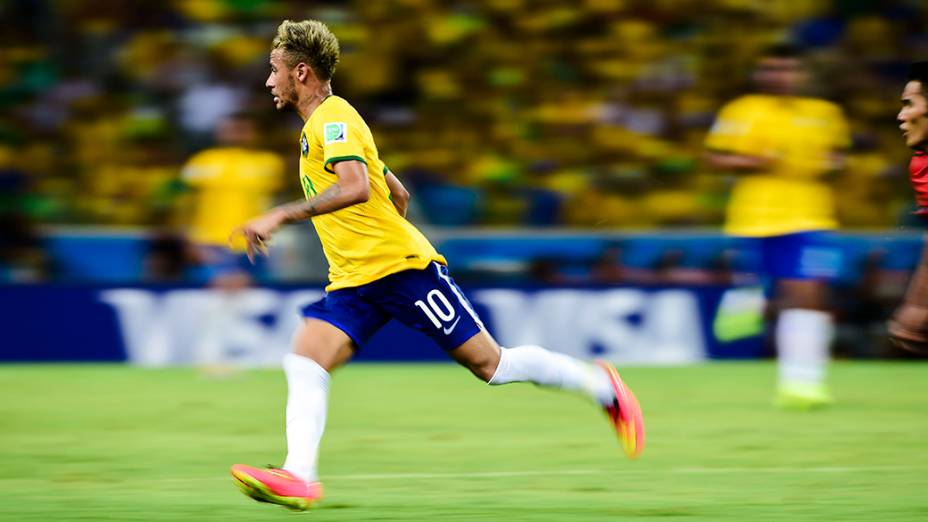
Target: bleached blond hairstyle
x=310, y=42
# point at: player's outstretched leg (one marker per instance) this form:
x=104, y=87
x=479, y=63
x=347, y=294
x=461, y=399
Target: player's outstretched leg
x=276, y=486
x=602, y=384
x=534, y=364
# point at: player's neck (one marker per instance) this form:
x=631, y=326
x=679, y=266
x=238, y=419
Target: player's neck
x=306, y=107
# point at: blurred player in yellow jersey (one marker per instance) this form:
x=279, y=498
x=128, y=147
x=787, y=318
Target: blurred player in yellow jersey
x=380, y=268
x=230, y=182
x=784, y=144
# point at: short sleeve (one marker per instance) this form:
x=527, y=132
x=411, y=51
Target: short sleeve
x=342, y=140
x=733, y=130
x=197, y=170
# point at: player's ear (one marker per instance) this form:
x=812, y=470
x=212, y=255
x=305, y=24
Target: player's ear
x=303, y=72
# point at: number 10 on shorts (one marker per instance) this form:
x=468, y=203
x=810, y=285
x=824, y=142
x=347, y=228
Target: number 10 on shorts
x=437, y=308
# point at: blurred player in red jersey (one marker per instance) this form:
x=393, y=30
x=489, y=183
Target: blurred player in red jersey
x=908, y=327
x=380, y=268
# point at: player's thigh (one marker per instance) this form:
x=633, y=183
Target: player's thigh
x=429, y=301
x=323, y=342
x=336, y=325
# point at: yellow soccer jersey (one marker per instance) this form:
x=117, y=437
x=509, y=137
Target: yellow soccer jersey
x=801, y=135
x=370, y=240
x=232, y=186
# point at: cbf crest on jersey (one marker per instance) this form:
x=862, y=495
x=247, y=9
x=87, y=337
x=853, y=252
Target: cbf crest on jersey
x=304, y=145
x=335, y=132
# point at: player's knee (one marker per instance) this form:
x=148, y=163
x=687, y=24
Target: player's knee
x=485, y=371
x=480, y=354
x=807, y=295
x=328, y=346
x=484, y=368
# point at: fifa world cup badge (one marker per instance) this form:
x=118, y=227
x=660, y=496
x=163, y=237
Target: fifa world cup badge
x=304, y=145
x=335, y=132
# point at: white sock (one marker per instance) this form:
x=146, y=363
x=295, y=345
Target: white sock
x=307, y=398
x=803, y=345
x=535, y=364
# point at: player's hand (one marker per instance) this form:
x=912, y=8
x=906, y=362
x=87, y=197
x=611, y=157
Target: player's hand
x=257, y=233
x=908, y=328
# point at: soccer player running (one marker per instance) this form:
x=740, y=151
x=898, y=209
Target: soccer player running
x=782, y=144
x=229, y=183
x=380, y=268
x=908, y=327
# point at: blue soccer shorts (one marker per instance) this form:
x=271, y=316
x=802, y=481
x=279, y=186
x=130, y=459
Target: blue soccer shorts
x=803, y=255
x=220, y=261
x=426, y=300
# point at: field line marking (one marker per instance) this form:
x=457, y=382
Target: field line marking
x=694, y=470
x=795, y=469
x=473, y=474
x=533, y=473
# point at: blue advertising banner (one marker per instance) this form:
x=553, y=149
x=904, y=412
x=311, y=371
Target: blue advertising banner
x=163, y=326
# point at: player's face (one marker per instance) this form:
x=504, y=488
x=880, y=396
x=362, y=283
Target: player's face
x=777, y=75
x=237, y=132
x=913, y=118
x=281, y=81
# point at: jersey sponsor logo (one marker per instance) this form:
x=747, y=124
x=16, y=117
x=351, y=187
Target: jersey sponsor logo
x=304, y=145
x=451, y=328
x=335, y=132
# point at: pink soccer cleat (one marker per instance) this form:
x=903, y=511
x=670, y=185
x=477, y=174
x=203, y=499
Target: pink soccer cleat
x=625, y=414
x=276, y=486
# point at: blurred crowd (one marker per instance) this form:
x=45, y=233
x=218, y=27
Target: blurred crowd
x=589, y=114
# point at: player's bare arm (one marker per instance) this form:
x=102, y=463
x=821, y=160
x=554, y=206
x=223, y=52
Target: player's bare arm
x=398, y=193
x=738, y=162
x=352, y=188
x=907, y=327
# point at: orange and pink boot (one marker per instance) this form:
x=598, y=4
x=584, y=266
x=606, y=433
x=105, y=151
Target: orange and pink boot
x=625, y=413
x=276, y=486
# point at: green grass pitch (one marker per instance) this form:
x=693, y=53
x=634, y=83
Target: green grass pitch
x=429, y=442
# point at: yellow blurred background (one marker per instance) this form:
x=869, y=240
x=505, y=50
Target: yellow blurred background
x=586, y=114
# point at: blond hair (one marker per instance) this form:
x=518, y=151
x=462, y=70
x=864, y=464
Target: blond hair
x=310, y=42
